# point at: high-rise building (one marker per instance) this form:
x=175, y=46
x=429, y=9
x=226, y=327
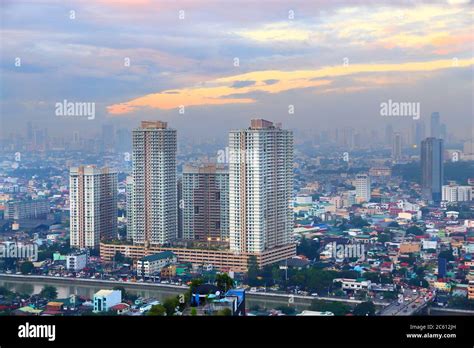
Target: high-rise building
x=419, y=132
x=108, y=138
x=129, y=198
x=389, y=134
x=362, y=185
x=397, y=147
x=26, y=209
x=456, y=193
x=205, y=197
x=154, y=201
x=93, y=205
x=435, y=125
x=260, y=187
x=432, y=169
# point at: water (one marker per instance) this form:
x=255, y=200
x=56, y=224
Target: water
x=34, y=286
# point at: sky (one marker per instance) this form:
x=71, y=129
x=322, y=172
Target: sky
x=208, y=66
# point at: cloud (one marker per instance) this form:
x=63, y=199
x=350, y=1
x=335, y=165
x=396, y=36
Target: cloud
x=217, y=91
x=240, y=84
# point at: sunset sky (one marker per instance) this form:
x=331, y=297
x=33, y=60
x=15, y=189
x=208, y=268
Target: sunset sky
x=228, y=61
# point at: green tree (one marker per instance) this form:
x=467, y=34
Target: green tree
x=364, y=308
x=157, y=310
x=358, y=222
x=193, y=311
x=383, y=238
x=224, y=312
x=338, y=308
x=170, y=305
x=26, y=267
x=415, y=230
x=308, y=248
x=49, y=292
x=253, y=271
x=286, y=310
x=224, y=282
x=195, y=283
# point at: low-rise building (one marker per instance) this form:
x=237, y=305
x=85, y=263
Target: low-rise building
x=106, y=299
x=76, y=262
x=470, y=290
x=353, y=284
x=152, y=264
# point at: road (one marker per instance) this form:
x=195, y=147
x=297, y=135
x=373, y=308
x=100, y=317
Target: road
x=409, y=305
x=87, y=287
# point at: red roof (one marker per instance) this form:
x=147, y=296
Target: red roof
x=119, y=307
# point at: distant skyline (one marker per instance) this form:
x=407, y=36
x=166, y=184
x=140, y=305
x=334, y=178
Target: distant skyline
x=209, y=66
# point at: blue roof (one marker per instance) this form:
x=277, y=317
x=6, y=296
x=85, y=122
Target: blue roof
x=239, y=293
x=163, y=255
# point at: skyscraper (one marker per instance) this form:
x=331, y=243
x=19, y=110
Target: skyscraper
x=205, y=195
x=363, y=187
x=435, y=125
x=397, y=147
x=260, y=187
x=432, y=169
x=389, y=134
x=154, y=200
x=93, y=205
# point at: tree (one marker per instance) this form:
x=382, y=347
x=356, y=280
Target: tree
x=286, y=310
x=157, y=310
x=119, y=257
x=170, y=305
x=224, y=312
x=338, y=308
x=253, y=270
x=195, y=283
x=126, y=295
x=224, y=282
x=193, y=311
x=383, y=238
x=364, y=308
x=415, y=230
x=49, y=292
x=26, y=267
x=358, y=222
x=308, y=248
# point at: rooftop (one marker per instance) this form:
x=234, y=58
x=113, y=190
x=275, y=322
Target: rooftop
x=159, y=256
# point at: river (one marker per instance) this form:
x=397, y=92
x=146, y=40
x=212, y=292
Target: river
x=87, y=288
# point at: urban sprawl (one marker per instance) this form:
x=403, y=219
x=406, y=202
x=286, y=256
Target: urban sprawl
x=271, y=221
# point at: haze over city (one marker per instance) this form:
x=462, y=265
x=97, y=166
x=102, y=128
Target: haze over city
x=206, y=68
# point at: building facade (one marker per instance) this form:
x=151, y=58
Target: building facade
x=154, y=199
x=93, y=205
x=362, y=184
x=33, y=209
x=205, y=197
x=432, y=172
x=260, y=187
x=152, y=264
x=105, y=299
x=456, y=193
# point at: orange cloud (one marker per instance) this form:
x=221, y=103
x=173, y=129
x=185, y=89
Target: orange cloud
x=221, y=91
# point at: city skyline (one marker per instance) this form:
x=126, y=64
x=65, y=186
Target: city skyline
x=237, y=158
x=257, y=62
